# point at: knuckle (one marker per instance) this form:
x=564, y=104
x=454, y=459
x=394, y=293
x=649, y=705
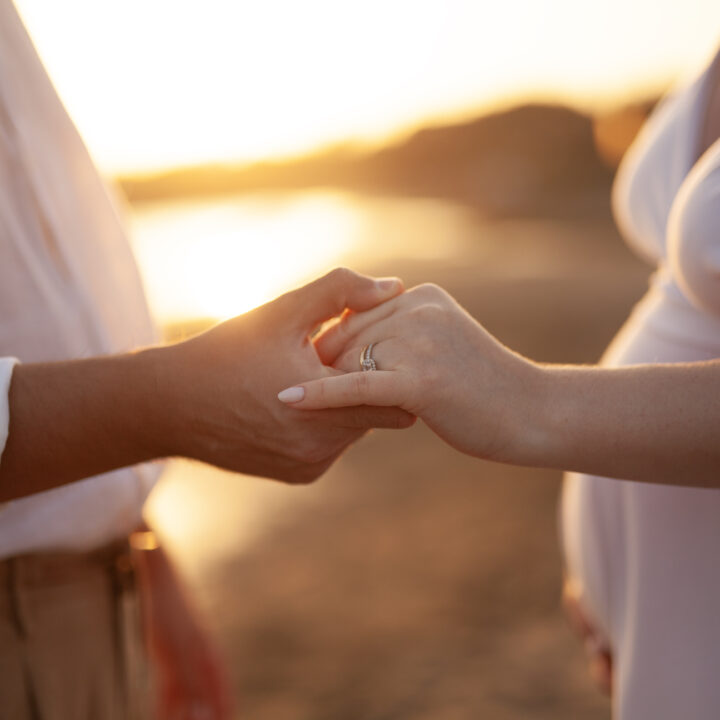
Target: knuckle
x=360, y=383
x=416, y=315
x=431, y=376
x=399, y=420
x=420, y=290
x=424, y=345
x=306, y=475
x=356, y=418
x=295, y=452
x=427, y=313
x=433, y=313
x=327, y=393
x=319, y=393
x=304, y=457
x=340, y=275
x=430, y=291
x=304, y=452
x=313, y=453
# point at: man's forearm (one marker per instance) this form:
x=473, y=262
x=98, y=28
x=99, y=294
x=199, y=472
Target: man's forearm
x=656, y=423
x=211, y=398
x=75, y=419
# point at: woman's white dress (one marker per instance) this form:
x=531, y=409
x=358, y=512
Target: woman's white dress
x=647, y=557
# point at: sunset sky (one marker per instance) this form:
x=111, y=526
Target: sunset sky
x=156, y=83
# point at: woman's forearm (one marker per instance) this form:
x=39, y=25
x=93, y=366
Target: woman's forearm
x=654, y=423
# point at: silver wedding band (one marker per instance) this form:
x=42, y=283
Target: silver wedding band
x=367, y=364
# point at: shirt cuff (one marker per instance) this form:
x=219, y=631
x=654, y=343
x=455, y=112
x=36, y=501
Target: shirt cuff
x=6, y=369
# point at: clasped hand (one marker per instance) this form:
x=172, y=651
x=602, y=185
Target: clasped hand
x=229, y=376
x=434, y=361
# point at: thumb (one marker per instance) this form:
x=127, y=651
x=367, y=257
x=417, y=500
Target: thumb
x=342, y=288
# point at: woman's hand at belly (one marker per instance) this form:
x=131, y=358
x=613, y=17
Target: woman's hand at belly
x=599, y=657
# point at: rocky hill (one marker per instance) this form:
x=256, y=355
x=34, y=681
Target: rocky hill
x=530, y=160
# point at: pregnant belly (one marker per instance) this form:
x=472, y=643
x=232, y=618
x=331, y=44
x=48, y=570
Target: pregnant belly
x=614, y=532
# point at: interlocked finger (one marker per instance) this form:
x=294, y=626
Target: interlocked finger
x=331, y=342
x=383, y=353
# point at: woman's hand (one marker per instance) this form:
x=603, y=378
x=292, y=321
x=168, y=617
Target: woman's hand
x=599, y=657
x=433, y=360
x=652, y=423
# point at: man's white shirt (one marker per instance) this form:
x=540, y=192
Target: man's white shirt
x=69, y=288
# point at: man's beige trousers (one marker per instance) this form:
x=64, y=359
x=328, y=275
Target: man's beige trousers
x=70, y=640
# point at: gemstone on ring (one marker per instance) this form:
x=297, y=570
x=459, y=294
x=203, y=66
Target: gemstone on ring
x=367, y=363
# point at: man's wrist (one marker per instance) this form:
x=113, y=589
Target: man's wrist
x=160, y=421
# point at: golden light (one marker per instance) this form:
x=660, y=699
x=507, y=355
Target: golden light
x=168, y=82
x=230, y=514
x=153, y=84
x=216, y=260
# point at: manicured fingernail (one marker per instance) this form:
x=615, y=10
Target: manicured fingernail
x=387, y=284
x=291, y=395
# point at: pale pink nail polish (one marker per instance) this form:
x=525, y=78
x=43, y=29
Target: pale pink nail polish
x=291, y=394
x=386, y=284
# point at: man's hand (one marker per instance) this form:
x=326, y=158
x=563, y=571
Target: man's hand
x=224, y=384
x=212, y=398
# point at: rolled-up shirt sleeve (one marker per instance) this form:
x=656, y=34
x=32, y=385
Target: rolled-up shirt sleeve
x=6, y=369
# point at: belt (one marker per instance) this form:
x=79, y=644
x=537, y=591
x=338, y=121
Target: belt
x=47, y=569
x=44, y=569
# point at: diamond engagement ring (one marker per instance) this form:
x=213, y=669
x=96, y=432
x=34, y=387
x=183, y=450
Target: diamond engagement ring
x=366, y=360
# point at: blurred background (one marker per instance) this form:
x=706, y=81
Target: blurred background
x=471, y=144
